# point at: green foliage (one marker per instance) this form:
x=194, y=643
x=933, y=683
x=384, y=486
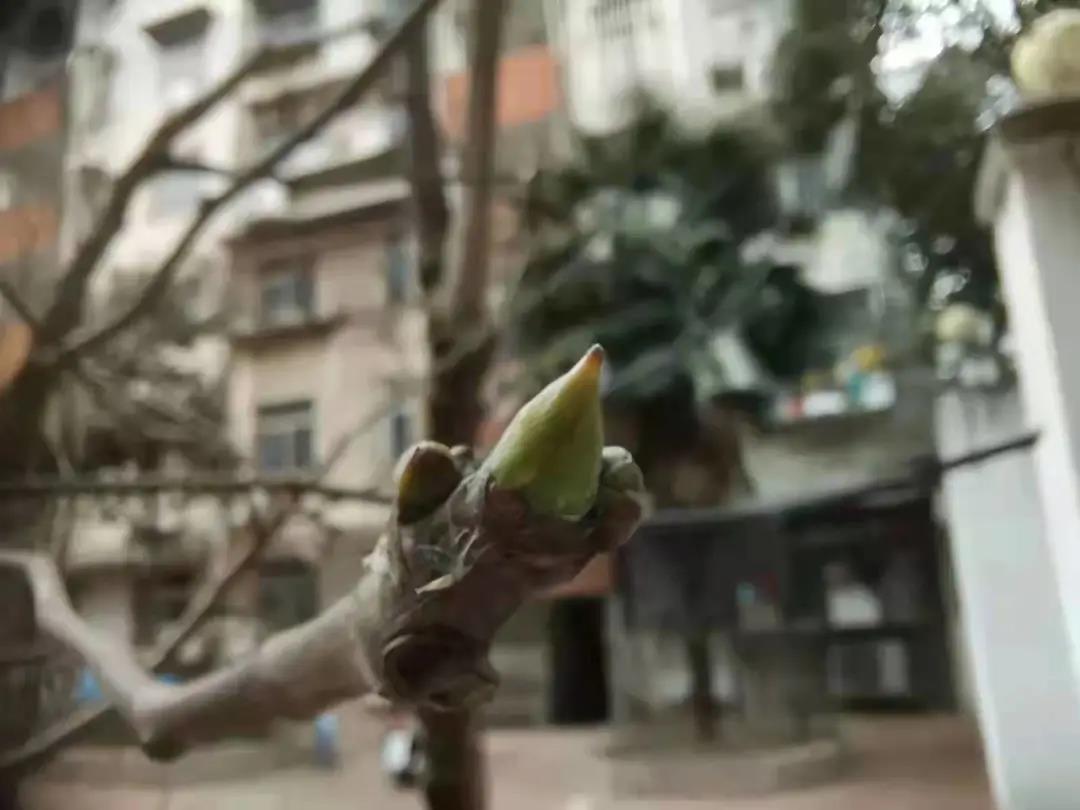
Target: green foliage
x=636, y=246
x=918, y=154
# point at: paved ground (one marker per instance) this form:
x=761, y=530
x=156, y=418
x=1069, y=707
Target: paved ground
x=900, y=764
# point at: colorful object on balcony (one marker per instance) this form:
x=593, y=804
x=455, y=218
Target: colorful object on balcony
x=87, y=690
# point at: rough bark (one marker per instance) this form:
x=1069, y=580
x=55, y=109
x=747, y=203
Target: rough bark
x=416, y=628
x=457, y=314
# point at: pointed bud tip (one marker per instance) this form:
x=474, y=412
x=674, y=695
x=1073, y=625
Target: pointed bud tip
x=592, y=363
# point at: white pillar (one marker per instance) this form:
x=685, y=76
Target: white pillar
x=1037, y=233
x=1010, y=614
x=1020, y=577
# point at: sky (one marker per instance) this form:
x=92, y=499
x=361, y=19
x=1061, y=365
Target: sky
x=931, y=37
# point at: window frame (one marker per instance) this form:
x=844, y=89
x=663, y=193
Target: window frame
x=157, y=600
x=402, y=429
x=296, y=272
x=295, y=417
x=275, y=20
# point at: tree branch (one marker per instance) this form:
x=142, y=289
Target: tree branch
x=471, y=269
x=45, y=742
x=11, y=295
x=156, y=150
x=171, y=163
x=416, y=627
x=65, y=312
x=428, y=194
x=52, y=487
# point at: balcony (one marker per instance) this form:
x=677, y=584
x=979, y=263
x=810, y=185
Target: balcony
x=358, y=134
x=257, y=332
x=286, y=22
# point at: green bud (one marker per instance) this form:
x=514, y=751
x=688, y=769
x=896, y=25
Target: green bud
x=551, y=450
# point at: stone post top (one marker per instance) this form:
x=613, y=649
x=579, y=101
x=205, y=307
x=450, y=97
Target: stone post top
x=1040, y=119
x=1019, y=138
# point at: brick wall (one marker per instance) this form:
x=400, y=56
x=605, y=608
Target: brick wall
x=30, y=118
x=27, y=229
x=528, y=91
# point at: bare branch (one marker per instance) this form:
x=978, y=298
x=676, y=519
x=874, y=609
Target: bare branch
x=471, y=269
x=323, y=653
x=11, y=295
x=171, y=163
x=348, y=96
x=50, y=487
x=42, y=744
x=455, y=409
x=428, y=194
x=64, y=314
x=415, y=630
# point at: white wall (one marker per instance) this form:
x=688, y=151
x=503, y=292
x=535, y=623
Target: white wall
x=1010, y=611
x=1037, y=243
x=666, y=47
x=105, y=602
x=135, y=106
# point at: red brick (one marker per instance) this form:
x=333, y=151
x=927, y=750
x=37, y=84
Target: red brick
x=26, y=229
x=30, y=118
x=528, y=91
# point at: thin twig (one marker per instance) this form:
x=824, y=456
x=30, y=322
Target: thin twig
x=9, y=294
x=68, y=485
x=44, y=742
x=925, y=474
x=64, y=314
x=347, y=97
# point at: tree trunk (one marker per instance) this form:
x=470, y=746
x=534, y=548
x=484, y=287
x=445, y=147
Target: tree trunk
x=691, y=459
x=460, y=344
x=458, y=779
x=706, y=712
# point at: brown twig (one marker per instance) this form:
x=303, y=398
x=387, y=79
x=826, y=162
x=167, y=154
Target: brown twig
x=410, y=632
x=64, y=314
x=63, y=486
x=348, y=96
x=11, y=295
x=44, y=742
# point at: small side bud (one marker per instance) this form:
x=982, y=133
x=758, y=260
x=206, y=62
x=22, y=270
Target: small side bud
x=426, y=476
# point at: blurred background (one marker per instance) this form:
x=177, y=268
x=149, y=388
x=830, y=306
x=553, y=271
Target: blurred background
x=252, y=250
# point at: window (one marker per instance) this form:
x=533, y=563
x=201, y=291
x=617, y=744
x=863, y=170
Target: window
x=181, y=45
x=281, y=22
x=612, y=17
x=287, y=292
x=159, y=601
x=284, y=437
x=7, y=189
x=288, y=595
x=619, y=18
x=401, y=434
x=278, y=119
x=48, y=29
x=727, y=78
x=180, y=70
x=397, y=273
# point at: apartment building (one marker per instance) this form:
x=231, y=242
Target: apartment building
x=33, y=134
x=708, y=59
x=310, y=270
x=328, y=343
